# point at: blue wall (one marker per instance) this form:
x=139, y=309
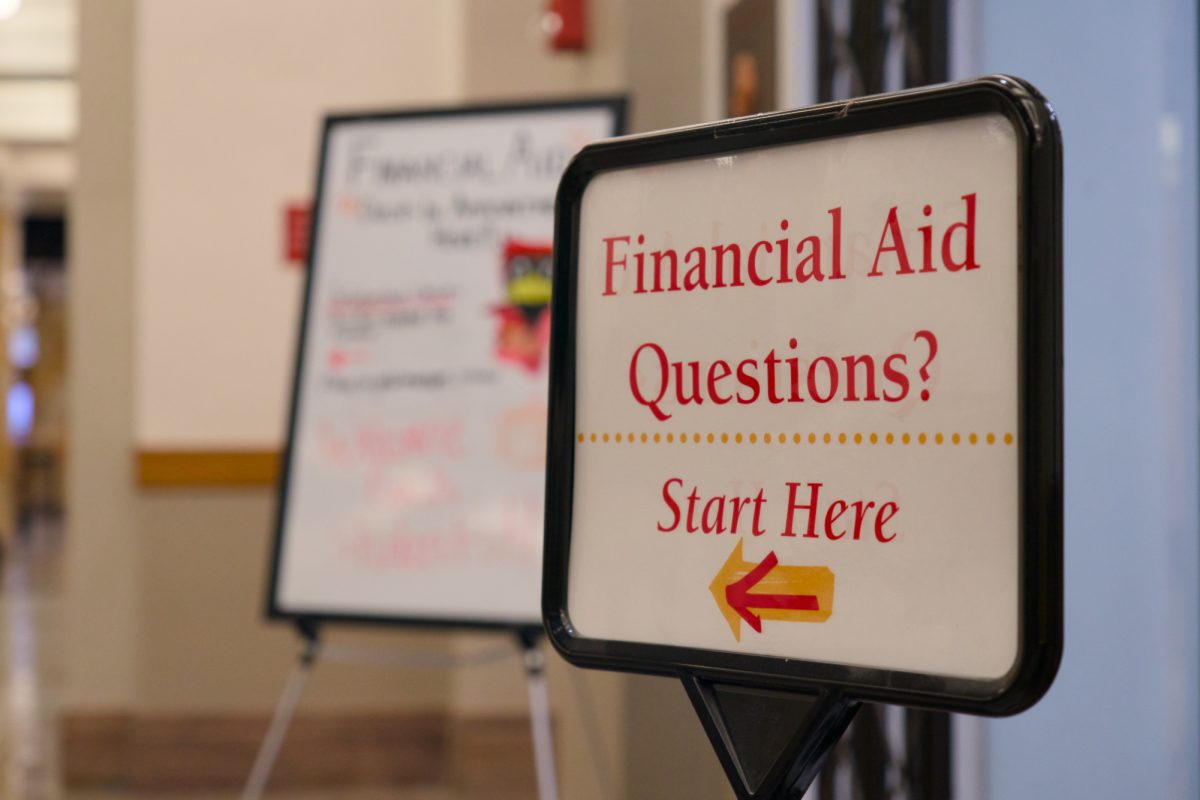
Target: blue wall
x=1122, y=718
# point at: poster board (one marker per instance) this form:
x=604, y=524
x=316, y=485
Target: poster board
x=806, y=420
x=414, y=472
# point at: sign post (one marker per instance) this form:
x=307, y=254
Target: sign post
x=806, y=416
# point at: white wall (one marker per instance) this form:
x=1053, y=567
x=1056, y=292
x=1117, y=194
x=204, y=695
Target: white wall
x=1121, y=721
x=229, y=100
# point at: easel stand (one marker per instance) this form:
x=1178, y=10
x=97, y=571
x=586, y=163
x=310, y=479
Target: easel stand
x=771, y=743
x=539, y=714
x=268, y=751
x=528, y=639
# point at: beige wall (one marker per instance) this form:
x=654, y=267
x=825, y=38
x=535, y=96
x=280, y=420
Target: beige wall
x=505, y=55
x=669, y=90
x=205, y=644
x=230, y=99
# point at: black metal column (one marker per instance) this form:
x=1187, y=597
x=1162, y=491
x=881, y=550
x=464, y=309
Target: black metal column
x=853, y=45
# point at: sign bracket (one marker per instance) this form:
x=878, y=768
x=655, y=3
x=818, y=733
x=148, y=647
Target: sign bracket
x=771, y=743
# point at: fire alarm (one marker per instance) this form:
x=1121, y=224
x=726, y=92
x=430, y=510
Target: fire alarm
x=565, y=25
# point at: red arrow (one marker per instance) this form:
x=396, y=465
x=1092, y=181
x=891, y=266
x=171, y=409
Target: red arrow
x=779, y=592
x=741, y=599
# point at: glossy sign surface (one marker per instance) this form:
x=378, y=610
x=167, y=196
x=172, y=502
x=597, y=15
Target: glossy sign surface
x=808, y=427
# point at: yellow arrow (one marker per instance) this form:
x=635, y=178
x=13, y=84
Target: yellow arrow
x=751, y=592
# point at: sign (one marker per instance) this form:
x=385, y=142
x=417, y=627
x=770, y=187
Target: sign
x=806, y=420
x=414, y=475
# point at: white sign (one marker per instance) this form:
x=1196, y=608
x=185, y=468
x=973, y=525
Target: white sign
x=414, y=486
x=797, y=392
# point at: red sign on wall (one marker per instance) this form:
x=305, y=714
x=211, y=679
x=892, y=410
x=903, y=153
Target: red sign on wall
x=297, y=218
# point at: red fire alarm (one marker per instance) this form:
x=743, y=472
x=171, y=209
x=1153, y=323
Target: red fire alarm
x=566, y=25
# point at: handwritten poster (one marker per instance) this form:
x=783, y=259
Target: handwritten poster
x=414, y=481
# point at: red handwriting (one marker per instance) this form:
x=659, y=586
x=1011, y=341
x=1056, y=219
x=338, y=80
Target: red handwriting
x=514, y=535
x=398, y=546
x=376, y=445
x=423, y=488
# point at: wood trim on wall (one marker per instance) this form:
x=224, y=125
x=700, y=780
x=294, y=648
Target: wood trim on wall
x=170, y=753
x=191, y=752
x=206, y=468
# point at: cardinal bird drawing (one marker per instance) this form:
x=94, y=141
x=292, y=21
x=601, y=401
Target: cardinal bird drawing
x=524, y=333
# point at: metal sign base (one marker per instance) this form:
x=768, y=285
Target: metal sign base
x=771, y=743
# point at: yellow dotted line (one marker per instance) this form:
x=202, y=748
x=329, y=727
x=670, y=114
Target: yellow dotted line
x=797, y=438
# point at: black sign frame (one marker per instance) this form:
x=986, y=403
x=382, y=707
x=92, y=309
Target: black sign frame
x=1040, y=404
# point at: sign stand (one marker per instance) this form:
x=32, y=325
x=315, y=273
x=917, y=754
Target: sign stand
x=771, y=743
x=528, y=639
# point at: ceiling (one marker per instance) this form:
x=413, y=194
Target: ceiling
x=38, y=52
